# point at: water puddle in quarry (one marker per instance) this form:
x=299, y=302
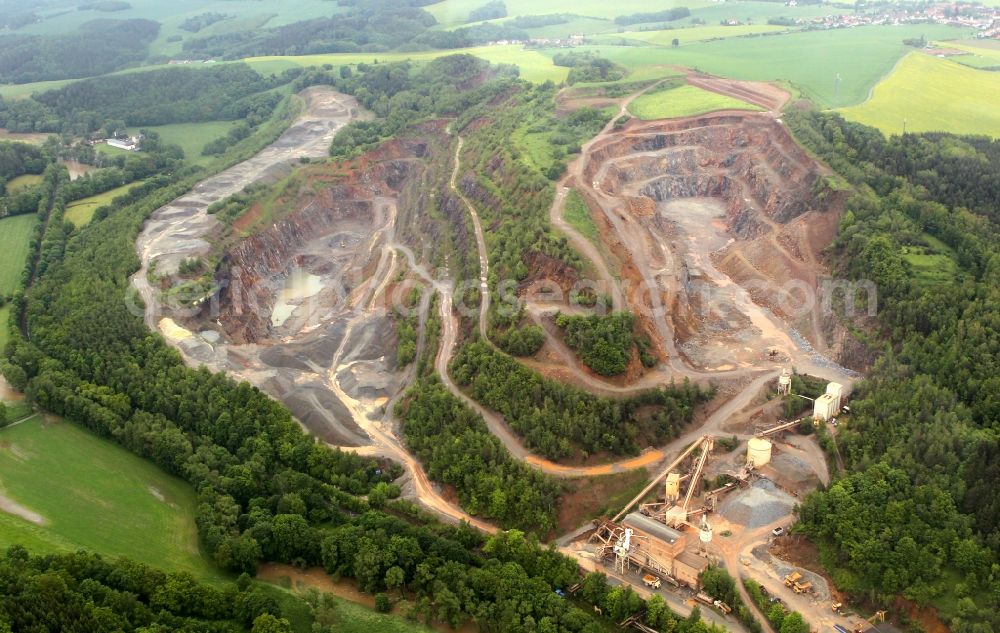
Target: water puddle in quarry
x=299, y=286
x=733, y=330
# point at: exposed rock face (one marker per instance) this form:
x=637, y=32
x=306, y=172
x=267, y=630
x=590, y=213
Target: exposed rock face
x=248, y=299
x=751, y=163
x=698, y=203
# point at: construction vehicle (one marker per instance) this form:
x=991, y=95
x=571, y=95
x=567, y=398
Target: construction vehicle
x=792, y=578
x=705, y=598
x=802, y=587
x=722, y=606
x=879, y=615
x=651, y=581
x=836, y=607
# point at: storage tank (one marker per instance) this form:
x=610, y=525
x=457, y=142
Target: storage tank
x=785, y=382
x=758, y=451
x=673, y=486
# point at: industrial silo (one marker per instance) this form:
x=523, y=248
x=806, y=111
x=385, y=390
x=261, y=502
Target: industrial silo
x=758, y=451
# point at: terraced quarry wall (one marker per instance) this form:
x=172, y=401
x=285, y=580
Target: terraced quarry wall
x=694, y=204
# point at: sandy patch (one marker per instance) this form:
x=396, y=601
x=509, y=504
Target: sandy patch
x=10, y=506
x=174, y=332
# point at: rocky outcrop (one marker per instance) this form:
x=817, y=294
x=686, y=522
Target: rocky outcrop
x=751, y=163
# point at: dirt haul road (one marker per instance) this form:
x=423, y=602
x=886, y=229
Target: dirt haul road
x=676, y=369
x=180, y=230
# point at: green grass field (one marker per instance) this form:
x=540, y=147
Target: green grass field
x=932, y=94
x=578, y=216
x=456, y=12
x=14, y=235
x=980, y=54
x=192, y=137
x=683, y=101
x=534, y=65
x=21, y=182
x=689, y=34
x=810, y=60
x=82, y=211
x=96, y=495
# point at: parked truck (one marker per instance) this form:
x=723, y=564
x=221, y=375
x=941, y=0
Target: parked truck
x=792, y=578
x=722, y=606
x=651, y=581
x=802, y=587
x=705, y=598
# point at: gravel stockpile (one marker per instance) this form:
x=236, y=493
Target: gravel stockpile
x=760, y=504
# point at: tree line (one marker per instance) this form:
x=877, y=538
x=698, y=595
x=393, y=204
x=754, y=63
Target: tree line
x=85, y=592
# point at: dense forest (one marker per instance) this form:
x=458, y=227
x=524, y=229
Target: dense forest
x=157, y=97
x=96, y=48
x=84, y=592
x=919, y=512
x=457, y=449
x=559, y=420
x=604, y=343
x=170, y=95
x=20, y=158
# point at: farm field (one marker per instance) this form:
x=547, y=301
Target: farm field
x=93, y=494
x=456, y=12
x=14, y=235
x=811, y=60
x=82, y=211
x=21, y=182
x=683, y=101
x=980, y=55
x=534, y=65
x=932, y=94
x=690, y=34
x=23, y=137
x=192, y=137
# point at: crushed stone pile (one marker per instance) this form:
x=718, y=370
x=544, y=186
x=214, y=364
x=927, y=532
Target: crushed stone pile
x=761, y=504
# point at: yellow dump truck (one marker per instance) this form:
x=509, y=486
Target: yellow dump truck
x=651, y=581
x=792, y=578
x=802, y=587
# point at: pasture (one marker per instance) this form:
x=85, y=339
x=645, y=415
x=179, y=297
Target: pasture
x=929, y=94
x=981, y=54
x=81, y=212
x=23, y=182
x=683, y=101
x=91, y=493
x=191, y=137
x=687, y=35
x=534, y=65
x=15, y=233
